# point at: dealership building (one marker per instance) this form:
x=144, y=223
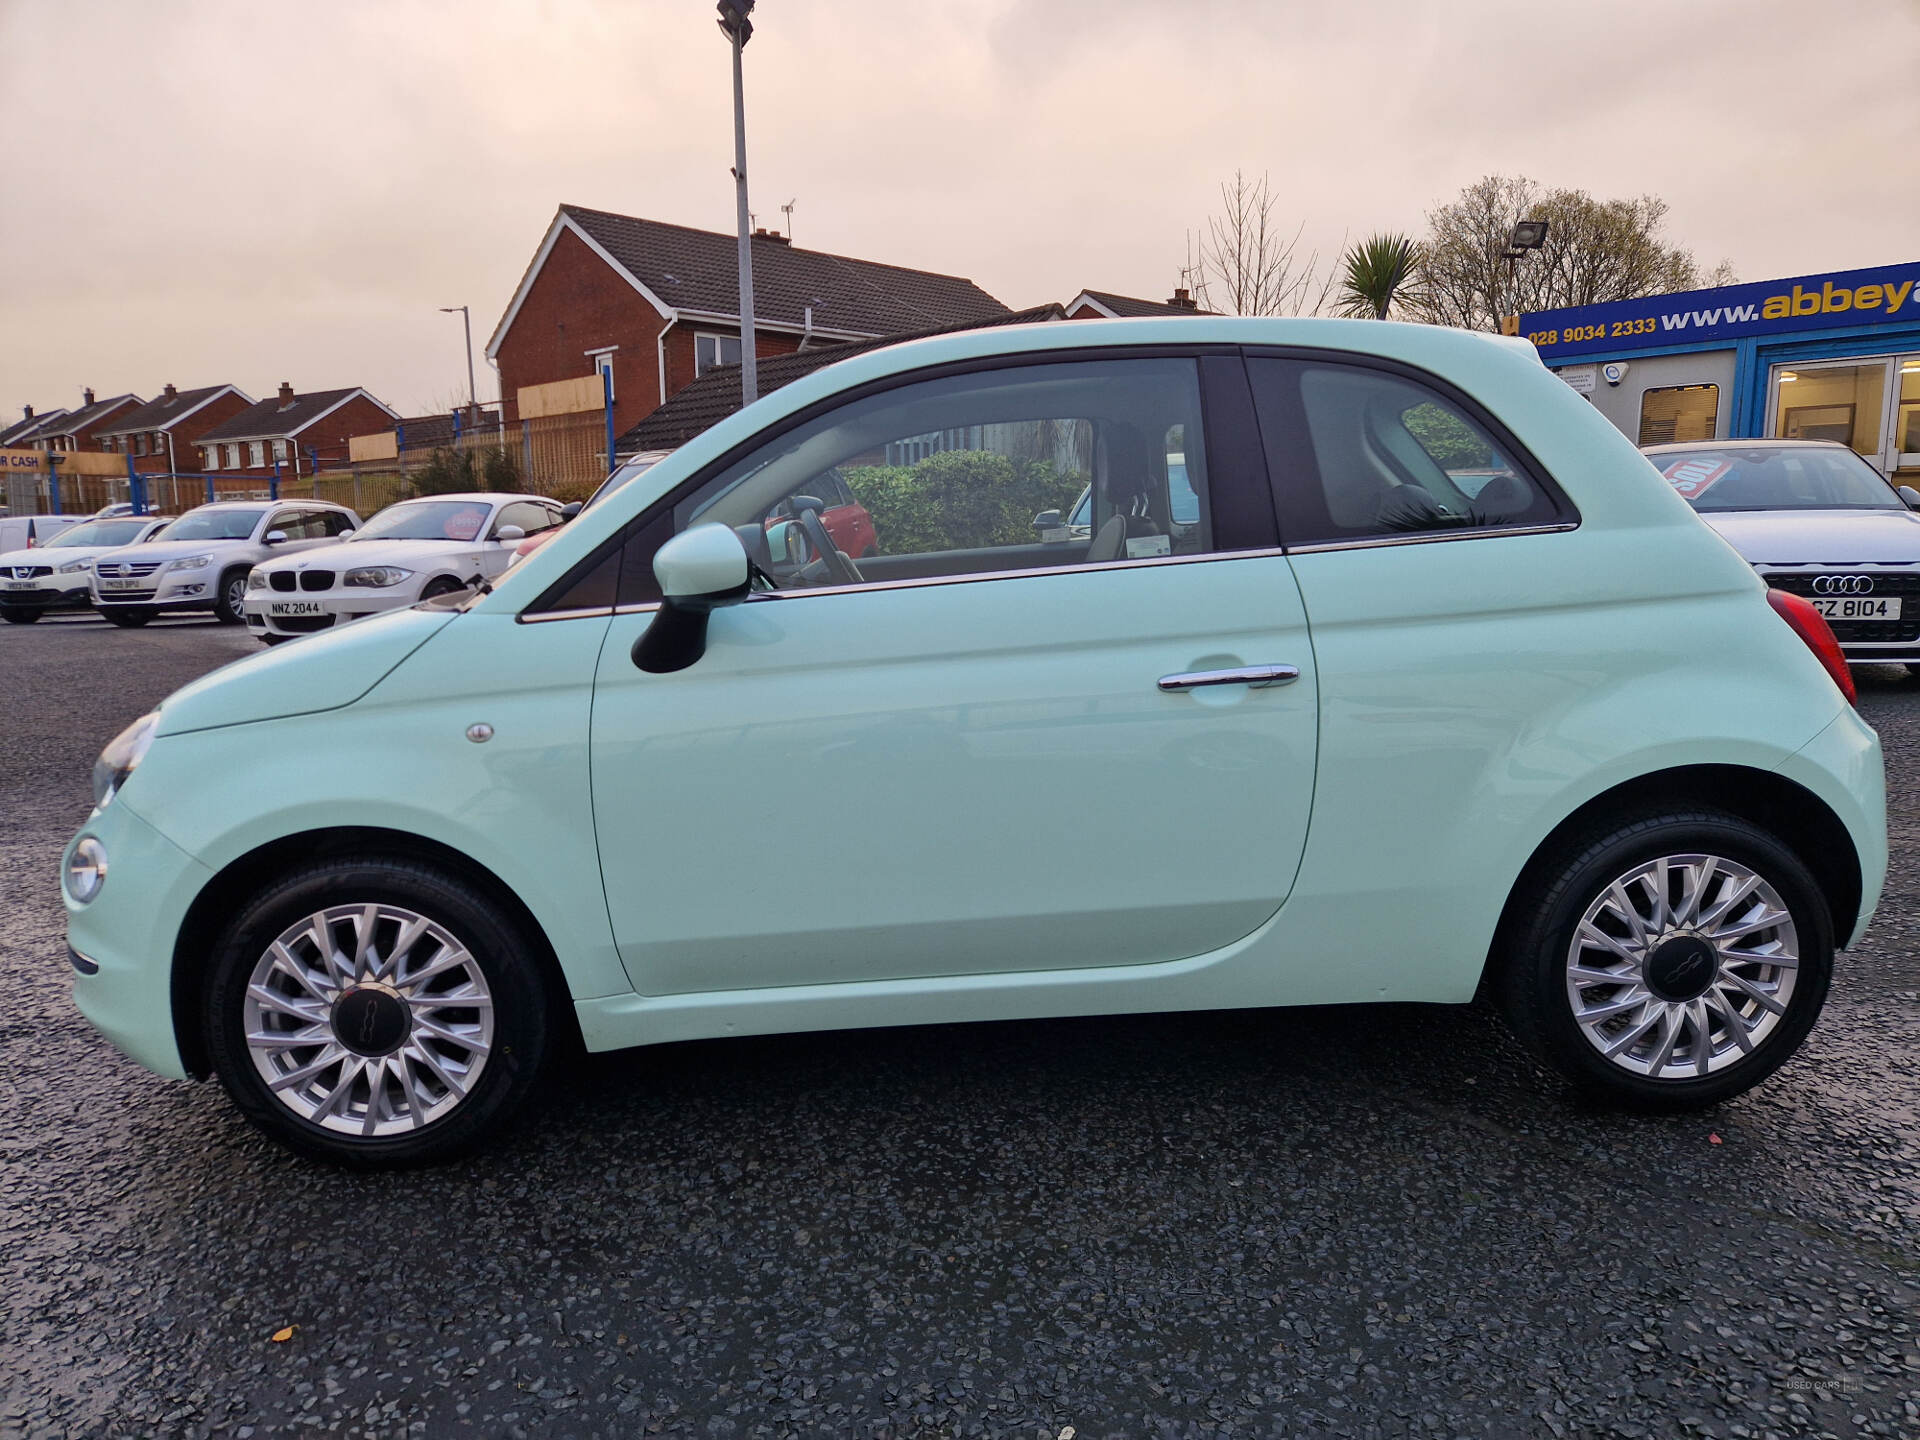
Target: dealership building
x=1820, y=357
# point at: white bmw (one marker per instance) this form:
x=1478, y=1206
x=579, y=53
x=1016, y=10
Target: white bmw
x=415, y=550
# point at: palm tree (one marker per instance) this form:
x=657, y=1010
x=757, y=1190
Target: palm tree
x=1380, y=270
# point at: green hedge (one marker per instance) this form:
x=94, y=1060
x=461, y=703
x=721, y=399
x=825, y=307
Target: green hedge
x=959, y=500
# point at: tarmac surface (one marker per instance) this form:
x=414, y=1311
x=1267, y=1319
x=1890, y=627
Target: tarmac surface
x=1367, y=1222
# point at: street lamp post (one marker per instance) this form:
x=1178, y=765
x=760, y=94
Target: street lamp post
x=738, y=29
x=466, y=323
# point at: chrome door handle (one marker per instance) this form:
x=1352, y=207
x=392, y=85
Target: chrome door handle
x=1256, y=677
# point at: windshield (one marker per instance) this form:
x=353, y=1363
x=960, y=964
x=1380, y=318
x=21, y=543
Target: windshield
x=618, y=478
x=102, y=532
x=213, y=525
x=1785, y=477
x=428, y=520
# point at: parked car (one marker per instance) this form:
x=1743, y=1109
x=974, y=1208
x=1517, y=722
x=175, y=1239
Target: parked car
x=628, y=469
x=202, y=561
x=1354, y=735
x=58, y=574
x=414, y=550
x=1815, y=519
x=28, y=532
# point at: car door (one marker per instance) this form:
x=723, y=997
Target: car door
x=980, y=755
x=532, y=518
x=304, y=528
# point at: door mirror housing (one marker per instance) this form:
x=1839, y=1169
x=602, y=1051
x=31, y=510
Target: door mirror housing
x=344, y=535
x=1911, y=496
x=509, y=534
x=569, y=510
x=276, y=537
x=700, y=570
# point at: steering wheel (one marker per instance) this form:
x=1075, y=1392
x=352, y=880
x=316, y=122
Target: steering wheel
x=843, y=570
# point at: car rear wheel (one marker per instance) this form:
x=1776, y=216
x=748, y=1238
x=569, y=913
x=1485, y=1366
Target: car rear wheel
x=1668, y=962
x=127, y=617
x=377, y=1013
x=230, y=605
x=18, y=615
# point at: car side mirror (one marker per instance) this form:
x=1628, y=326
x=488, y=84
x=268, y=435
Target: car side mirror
x=569, y=510
x=343, y=534
x=1048, y=520
x=699, y=570
x=1911, y=496
x=510, y=533
x=276, y=537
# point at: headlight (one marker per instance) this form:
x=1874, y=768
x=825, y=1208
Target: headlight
x=256, y=580
x=123, y=753
x=76, y=567
x=86, y=870
x=192, y=562
x=376, y=577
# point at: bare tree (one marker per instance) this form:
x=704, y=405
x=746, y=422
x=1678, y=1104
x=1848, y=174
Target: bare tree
x=1596, y=250
x=1244, y=262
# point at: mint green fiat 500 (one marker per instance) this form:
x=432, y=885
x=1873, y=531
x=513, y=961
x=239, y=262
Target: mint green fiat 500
x=1438, y=691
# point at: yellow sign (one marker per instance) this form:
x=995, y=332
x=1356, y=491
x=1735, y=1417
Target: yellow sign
x=384, y=445
x=561, y=397
x=71, y=462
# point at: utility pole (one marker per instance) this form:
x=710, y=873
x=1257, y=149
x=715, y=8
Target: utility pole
x=738, y=29
x=466, y=322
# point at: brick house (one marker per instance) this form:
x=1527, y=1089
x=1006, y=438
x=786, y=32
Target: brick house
x=164, y=434
x=658, y=305
x=19, y=430
x=714, y=396
x=1105, y=305
x=301, y=432
x=79, y=429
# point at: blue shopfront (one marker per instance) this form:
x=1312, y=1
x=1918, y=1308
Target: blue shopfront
x=1820, y=357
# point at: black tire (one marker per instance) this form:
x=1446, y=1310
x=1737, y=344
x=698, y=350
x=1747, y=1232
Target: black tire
x=443, y=585
x=506, y=957
x=230, y=600
x=267, y=637
x=1913, y=669
x=1531, y=984
x=18, y=615
x=127, y=617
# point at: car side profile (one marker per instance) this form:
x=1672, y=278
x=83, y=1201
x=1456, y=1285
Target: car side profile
x=1437, y=691
x=201, y=563
x=412, y=550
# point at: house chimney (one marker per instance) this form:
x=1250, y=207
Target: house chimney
x=88, y=392
x=774, y=235
x=1182, y=300
x=286, y=394
x=29, y=413
x=171, y=393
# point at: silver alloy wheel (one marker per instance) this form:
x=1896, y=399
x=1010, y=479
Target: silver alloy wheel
x=370, y=1020
x=1682, y=966
x=237, y=594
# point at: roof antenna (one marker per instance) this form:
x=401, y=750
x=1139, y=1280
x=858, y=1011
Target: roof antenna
x=787, y=210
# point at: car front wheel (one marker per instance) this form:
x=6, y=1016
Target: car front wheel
x=230, y=605
x=127, y=617
x=378, y=1013
x=1668, y=962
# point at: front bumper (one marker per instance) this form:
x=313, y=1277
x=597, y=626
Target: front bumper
x=127, y=935
x=303, y=613
x=49, y=592
x=181, y=590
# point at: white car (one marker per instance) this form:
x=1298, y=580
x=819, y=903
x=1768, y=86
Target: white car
x=58, y=574
x=28, y=532
x=202, y=561
x=415, y=550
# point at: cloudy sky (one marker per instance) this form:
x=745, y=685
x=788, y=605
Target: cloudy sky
x=205, y=191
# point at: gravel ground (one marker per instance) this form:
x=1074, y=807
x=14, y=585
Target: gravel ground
x=1374, y=1222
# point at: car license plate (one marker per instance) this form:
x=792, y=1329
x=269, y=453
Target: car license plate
x=121, y=584
x=294, y=607
x=21, y=585
x=1860, y=607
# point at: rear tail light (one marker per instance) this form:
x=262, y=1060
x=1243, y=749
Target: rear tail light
x=1811, y=626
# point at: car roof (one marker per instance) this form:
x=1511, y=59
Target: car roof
x=1747, y=445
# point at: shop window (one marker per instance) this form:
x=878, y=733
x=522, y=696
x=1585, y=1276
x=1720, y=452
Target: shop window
x=1679, y=412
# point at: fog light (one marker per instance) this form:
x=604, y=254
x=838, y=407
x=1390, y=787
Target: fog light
x=86, y=870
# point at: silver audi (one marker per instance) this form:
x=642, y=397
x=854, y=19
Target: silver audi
x=1815, y=518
